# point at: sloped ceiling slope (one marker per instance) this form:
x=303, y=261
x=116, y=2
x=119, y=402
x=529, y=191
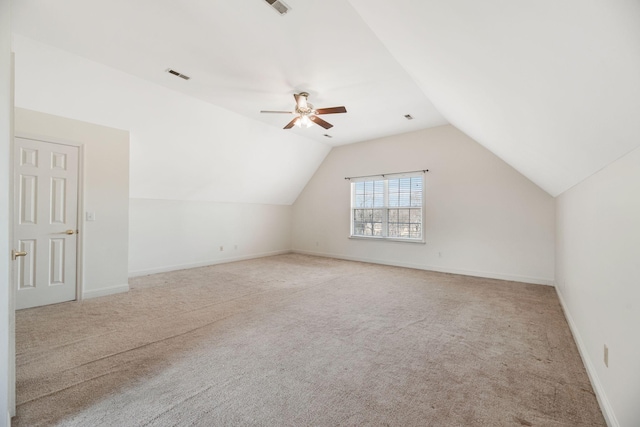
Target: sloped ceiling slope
x=181, y=148
x=552, y=87
x=205, y=139
x=244, y=57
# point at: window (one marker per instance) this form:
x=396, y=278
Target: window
x=388, y=207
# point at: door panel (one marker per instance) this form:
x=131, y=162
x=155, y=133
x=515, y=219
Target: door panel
x=46, y=206
x=26, y=264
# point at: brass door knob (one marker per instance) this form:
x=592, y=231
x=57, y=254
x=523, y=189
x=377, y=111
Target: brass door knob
x=70, y=232
x=15, y=254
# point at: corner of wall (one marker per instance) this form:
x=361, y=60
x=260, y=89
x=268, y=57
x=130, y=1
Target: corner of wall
x=605, y=405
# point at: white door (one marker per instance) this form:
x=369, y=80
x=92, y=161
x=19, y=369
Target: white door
x=45, y=222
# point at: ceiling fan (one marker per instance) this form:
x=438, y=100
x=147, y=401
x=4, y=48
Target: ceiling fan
x=307, y=114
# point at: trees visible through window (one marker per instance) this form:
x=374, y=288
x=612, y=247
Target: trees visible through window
x=388, y=207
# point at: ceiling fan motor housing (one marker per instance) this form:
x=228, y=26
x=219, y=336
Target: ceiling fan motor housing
x=304, y=108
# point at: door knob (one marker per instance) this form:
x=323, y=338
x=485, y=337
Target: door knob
x=15, y=254
x=69, y=232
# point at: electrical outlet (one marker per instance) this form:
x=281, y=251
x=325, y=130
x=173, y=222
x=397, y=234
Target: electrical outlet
x=221, y=248
x=606, y=356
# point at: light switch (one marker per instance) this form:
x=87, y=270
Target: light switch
x=91, y=216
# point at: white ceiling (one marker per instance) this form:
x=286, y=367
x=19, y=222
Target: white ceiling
x=245, y=57
x=551, y=87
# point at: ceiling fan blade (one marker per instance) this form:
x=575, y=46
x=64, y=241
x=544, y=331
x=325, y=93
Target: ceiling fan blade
x=319, y=121
x=283, y=112
x=291, y=123
x=332, y=110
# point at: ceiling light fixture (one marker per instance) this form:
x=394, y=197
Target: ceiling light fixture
x=304, y=109
x=303, y=120
x=306, y=121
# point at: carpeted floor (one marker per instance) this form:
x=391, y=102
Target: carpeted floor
x=294, y=340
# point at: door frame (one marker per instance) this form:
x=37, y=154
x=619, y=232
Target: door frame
x=80, y=207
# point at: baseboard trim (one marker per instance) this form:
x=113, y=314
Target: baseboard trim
x=605, y=406
x=94, y=293
x=176, y=267
x=483, y=274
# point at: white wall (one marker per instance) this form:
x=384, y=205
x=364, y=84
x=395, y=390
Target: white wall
x=6, y=312
x=485, y=218
x=598, y=280
x=191, y=233
x=104, y=242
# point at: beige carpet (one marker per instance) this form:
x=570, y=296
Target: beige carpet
x=295, y=340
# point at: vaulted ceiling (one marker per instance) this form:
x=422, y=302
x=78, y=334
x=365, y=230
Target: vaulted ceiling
x=552, y=88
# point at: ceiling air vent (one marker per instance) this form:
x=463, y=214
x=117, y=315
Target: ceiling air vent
x=178, y=74
x=279, y=6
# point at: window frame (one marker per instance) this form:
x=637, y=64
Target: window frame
x=386, y=208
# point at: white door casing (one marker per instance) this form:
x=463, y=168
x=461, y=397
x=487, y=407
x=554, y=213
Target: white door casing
x=45, y=222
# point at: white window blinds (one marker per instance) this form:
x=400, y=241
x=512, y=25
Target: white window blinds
x=388, y=207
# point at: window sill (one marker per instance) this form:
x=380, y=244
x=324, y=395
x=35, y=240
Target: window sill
x=388, y=239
